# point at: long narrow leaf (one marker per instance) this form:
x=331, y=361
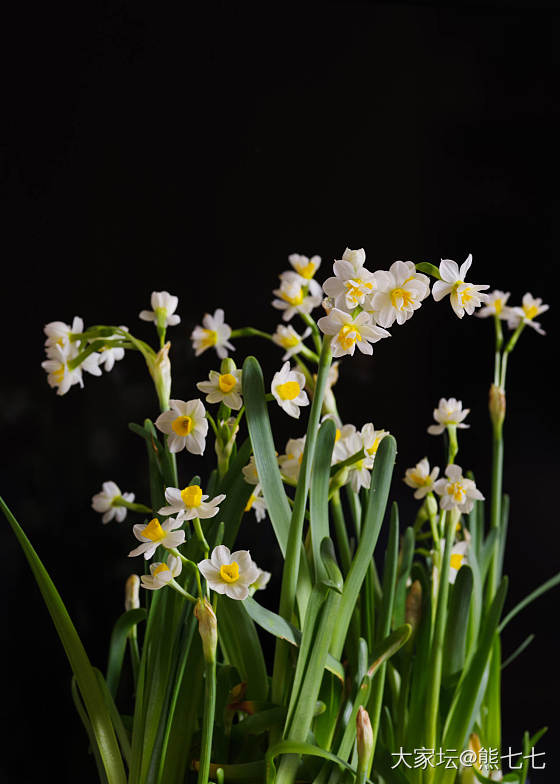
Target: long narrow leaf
x=117, y=645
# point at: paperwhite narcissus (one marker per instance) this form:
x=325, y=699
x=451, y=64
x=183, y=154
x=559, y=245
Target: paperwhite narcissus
x=352, y=282
x=371, y=438
x=465, y=297
x=58, y=332
x=155, y=534
x=185, y=425
x=288, y=338
x=190, y=503
x=529, y=310
x=343, y=436
x=214, y=333
x=229, y=573
x=288, y=390
x=421, y=478
x=495, y=305
x=348, y=332
x=250, y=472
x=456, y=491
x=458, y=557
x=161, y=574
x=257, y=503
x=108, y=357
x=164, y=305
x=290, y=463
x=358, y=473
x=304, y=266
x=397, y=293
x=262, y=580
x=59, y=374
x=296, y=295
x=103, y=502
x=223, y=388
x=448, y=412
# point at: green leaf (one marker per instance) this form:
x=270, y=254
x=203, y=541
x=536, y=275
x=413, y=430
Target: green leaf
x=92, y=695
x=407, y=554
x=552, y=583
x=376, y=503
x=457, y=621
x=295, y=747
x=276, y=625
x=518, y=651
x=240, y=642
x=428, y=269
x=117, y=645
x=487, y=552
x=319, y=495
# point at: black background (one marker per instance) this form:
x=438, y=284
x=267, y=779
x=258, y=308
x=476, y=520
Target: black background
x=151, y=150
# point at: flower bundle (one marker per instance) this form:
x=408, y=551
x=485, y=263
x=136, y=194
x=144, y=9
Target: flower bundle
x=385, y=669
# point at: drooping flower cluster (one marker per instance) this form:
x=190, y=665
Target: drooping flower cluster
x=63, y=348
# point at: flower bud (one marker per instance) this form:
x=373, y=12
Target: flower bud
x=160, y=371
x=364, y=741
x=497, y=405
x=227, y=366
x=431, y=505
x=207, y=628
x=131, y=593
x=413, y=605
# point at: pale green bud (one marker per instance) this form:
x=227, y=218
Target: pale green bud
x=207, y=628
x=131, y=593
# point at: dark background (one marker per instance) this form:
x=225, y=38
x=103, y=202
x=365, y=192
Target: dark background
x=193, y=152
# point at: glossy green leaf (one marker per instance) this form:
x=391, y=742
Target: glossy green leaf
x=428, y=269
x=457, y=622
x=547, y=586
x=240, y=642
x=294, y=747
x=117, y=645
x=319, y=493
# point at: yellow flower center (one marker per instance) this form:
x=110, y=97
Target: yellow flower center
x=191, y=496
x=297, y=300
x=337, y=435
x=457, y=490
x=374, y=447
x=307, y=271
x=289, y=341
x=456, y=561
x=498, y=306
x=159, y=569
x=357, y=288
x=349, y=335
x=401, y=298
x=153, y=531
x=182, y=425
x=289, y=390
x=226, y=382
x=58, y=375
x=530, y=311
x=210, y=338
x=419, y=479
x=250, y=502
x=229, y=572
x=464, y=296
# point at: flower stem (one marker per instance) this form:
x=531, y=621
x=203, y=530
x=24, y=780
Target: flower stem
x=207, y=722
x=200, y=536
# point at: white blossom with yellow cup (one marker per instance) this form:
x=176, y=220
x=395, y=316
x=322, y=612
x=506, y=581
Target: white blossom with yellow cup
x=421, y=478
x=288, y=390
x=398, y=292
x=465, y=297
x=526, y=313
x=456, y=491
x=230, y=573
x=348, y=332
x=163, y=310
x=161, y=574
x=214, y=333
x=496, y=305
x=190, y=503
x=103, y=502
x=223, y=388
x=304, y=266
x=185, y=425
x=154, y=534
x=296, y=295
x=448, y=412
x=286, y=337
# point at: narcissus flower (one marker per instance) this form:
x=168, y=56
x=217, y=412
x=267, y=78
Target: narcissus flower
x=104, y=502
x=358, y=473
x=296, y=295
x=185, y=425
x=223, y=388
x=421, y=478
x=163, y=314
x=350, y=332
x=529, y=310
x=456, y=491
x=262, y=580
x=288, y=389
x=458, y=557
x=371, y=438
x=288, y=338
x=108, y=357
x=495, y=305
x=250, y=472
x=304, y=266
x=230, y=573
x=398, y=293
x=290, y=463
x=448, y=412
x=214, y=333
x=352, y=282
x=58, y=332
x=257, y=503
x=161, y=574
x=465, y=297
x=59, y=374
x=190, y=503
x=154, y=534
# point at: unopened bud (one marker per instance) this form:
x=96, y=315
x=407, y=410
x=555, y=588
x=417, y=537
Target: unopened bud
x=497, y=405
x=160, y=371
x=131, y=593
x=227, y=366
x=364, y=741
x=413, y=605
x=207, y=628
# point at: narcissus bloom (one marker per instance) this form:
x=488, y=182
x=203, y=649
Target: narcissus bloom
x=250, y=472
x=359, y=473
x=421, y=478
x=185, y=425
x=296, y=295
x=223, y=388
x=58, y=332
x=162, y=574
x=103, y=502
x=288, y=338
x=230, y=573
x=495, y=305
x=350, y=332
x=163, y=310
x=458, y=557
x=154, y=534
x=257, y=503
x=288, y=389
x=290, y=463
x=108, y=357
x=456, y=491
x=190, y=503
x=371, y=438
x=214, y=333
x=465, y=297
x=262, y=580
x=529, y=310
x=398, y=293
x=59, y=374
x=352, y=282
x=304, y=266
x=448, y=412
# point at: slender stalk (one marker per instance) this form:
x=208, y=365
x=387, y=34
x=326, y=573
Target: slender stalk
x=200, y=536
x=341, y=532
x=207, y=722
x=315, y=334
